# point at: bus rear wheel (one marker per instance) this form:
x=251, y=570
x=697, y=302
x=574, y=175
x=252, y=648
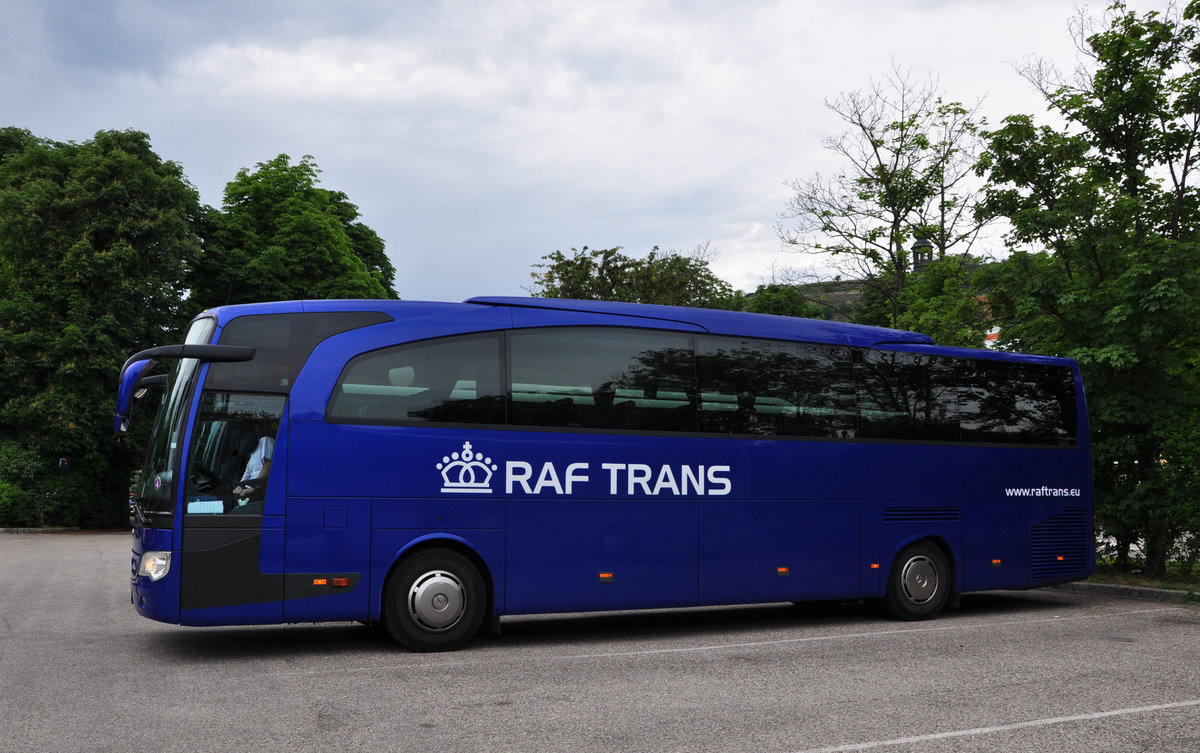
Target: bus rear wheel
x=434, y=601
x=919, y=583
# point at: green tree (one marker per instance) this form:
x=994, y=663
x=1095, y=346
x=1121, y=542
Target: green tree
x=14, y=141
x=782, y=300
x=20, y=469
x=94, y=239
x=609, y=275
x=908, y=160
x=1108, y=223
x=279, y=236
x=939, y=301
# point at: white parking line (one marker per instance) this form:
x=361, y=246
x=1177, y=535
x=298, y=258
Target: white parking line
x=845, y=636
x=872, y=745
x=511, y=655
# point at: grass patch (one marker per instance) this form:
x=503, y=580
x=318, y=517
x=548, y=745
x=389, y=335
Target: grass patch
x=1177, y=578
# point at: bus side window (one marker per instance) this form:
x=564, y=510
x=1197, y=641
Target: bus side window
x=774, y=388
x=906, y=396
x=448, y=380
x=1016, y=402
x=602, y=378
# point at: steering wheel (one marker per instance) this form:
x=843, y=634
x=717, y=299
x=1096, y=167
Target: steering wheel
x=202, y=477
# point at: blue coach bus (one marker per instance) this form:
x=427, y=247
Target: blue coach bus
x=434, y=466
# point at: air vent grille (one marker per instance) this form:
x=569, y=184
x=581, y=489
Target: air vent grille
x=1061, y=546
x=947, y=514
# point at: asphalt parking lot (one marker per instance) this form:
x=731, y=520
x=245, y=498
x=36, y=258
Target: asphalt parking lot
x=1008, y=671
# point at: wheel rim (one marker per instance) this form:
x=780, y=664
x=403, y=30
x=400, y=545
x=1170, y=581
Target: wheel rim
x=436, y=601
x=920, y=579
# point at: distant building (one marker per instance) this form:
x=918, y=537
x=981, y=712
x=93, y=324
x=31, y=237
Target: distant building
x=836, y=298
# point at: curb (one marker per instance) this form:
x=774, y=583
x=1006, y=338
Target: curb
x=39, y=530
x=1130, y=592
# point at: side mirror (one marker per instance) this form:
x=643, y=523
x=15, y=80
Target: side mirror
x=132, y=387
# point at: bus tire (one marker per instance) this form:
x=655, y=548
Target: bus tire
x=434, y=601
x=919, y=583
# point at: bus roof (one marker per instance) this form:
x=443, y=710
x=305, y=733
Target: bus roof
x=727, y=322
x=711, y=320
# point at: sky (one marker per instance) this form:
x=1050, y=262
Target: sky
x=477, y=137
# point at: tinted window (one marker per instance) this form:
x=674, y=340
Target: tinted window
x=906, y=396
x=774, y=388
x=606, y=378
x=1016, y=402
x=453, y=379
x=282, y=342
x=649, y=380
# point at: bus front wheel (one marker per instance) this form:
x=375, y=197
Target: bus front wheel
x=434, y=601
x=919, y=583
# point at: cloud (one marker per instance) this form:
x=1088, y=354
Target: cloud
x=476, y=137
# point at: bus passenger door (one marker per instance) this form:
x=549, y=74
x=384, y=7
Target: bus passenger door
x=232, y=547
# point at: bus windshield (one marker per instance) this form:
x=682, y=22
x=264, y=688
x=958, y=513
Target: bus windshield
x=156, y=486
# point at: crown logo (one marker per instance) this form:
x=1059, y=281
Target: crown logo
x=468, y=472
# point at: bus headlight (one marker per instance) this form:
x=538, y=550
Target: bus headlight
x=155, y=564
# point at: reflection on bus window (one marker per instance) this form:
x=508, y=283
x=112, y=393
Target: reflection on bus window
x=611, y=378
x=449, y=380
x=645, y=380
x=1016, y=403
x=906, y=396
x=774, y=388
